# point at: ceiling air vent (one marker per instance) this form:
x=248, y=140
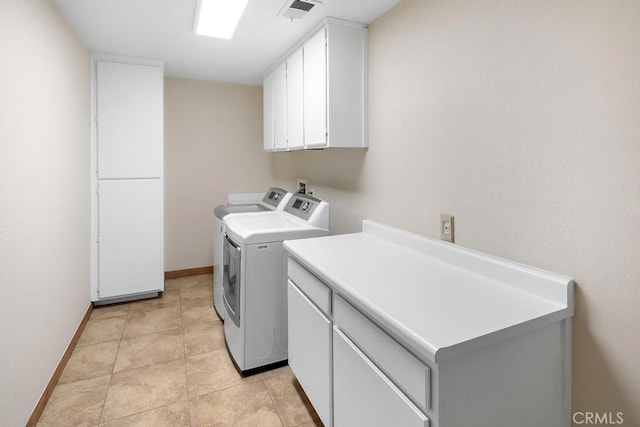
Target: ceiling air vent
x=296, y=9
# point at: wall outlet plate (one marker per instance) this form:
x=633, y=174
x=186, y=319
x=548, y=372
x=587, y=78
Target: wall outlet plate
x=302, y=186
x=447, y=228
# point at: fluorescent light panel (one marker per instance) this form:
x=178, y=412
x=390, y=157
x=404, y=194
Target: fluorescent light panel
x=219, y=18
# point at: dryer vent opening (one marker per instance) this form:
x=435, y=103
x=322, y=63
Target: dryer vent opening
x=296, y=9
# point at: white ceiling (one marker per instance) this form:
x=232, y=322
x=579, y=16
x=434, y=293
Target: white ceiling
x=162, y=30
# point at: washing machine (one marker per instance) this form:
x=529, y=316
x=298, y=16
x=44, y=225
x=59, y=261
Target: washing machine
x=275, y=198
x=255, y=279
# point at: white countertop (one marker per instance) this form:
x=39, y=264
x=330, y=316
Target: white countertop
x=438, y=299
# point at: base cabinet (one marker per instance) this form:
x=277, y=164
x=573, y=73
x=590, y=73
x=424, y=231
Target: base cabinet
x=357, y=374
x=345, y=387
x=363, y=395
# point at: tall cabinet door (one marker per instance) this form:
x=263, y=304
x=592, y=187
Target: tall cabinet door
x=280, y=107
x=129, y=110
x=295, y=131
x=315, y=90
x=130, y=229
x=267, y=108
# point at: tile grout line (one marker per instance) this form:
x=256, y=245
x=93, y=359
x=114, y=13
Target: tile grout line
x=224, y=388
x=184, y=355
x=90, y=377
x=145, y=366
x=114, y=364
x=139, y=413
x=273, y=402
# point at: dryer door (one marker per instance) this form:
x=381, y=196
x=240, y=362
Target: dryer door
x=231, y=279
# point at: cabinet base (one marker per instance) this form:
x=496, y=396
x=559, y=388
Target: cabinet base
x=127, y=298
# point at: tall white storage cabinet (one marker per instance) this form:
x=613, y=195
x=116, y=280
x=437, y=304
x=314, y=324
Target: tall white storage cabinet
x=127, y=170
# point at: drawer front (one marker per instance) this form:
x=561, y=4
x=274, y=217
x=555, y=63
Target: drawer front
x=363, y=395
x=313, y=288
x=411, y=375
x=310, y=351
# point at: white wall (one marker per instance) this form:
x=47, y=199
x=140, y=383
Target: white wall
x=44, y=199
x=213, y=145
x=522, y=120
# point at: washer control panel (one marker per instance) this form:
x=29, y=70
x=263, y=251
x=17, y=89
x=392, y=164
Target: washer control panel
x=274, y=196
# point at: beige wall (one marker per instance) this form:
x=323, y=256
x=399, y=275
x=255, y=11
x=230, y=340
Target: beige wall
x=522, y=120
x=213, y=145
x=44, y=199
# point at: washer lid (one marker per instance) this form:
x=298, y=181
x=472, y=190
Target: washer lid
x=268, y=227
x=224, y=210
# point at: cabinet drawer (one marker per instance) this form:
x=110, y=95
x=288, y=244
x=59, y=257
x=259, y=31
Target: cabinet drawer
x=363, y=395
x=313, y=288
x=411, y=375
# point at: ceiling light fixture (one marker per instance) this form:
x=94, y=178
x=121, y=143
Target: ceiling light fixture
x=218, y=18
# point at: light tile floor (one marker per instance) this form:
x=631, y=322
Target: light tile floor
x=163, y=362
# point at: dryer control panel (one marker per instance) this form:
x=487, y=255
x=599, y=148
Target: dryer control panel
x=302, y=206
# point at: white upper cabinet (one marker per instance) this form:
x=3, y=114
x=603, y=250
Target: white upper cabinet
x=325, y=89
x=315, y=90
x=280, y=107
x=347, y=82
x=267, y=108
x=295, y=100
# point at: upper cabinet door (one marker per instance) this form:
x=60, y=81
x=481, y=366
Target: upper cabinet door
x=295, y=130
x=267, y=108
x=315, y=90
x=280, y=107
x=129, y=110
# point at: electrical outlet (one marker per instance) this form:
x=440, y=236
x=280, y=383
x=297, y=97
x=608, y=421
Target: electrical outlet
x=447, y=228
x=302, y=186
